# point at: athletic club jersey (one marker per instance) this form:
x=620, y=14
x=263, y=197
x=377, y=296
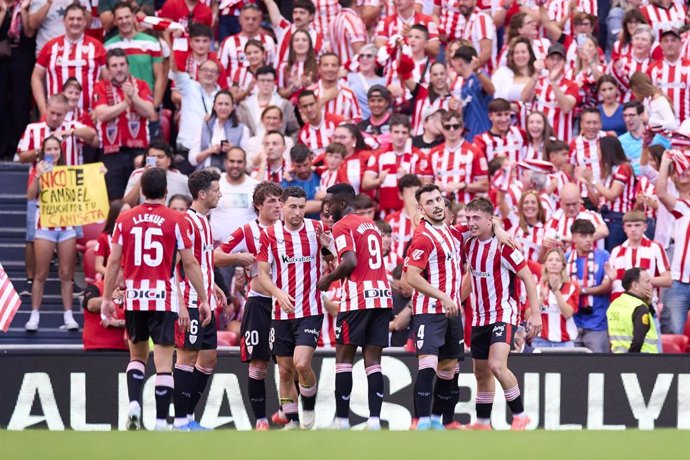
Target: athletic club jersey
x=150, y=236
x=555, y=327
x=461, y=164
x=558, y=226
x=63, y=59
x=492, y=268
x=231, y=52
x=437, y=252
x=401, y=231
x=326, y=11
x=674, y=80
x=661, y=18
x=284, y=33
x=511, y=146
x=36, y=133
x=295, y=258
x=545, y=101
x=394, y=23
x=246, y=238
x=202, y=247
x=680, y=267
x=480, y=26
x=317, y=138
x=367, y=286
x=530, y=239
x=585, y=152
x=347, y=28
x=649, y=255
x=624, y=175
x=345, y=105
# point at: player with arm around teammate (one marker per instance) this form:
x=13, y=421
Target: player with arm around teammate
x=145, y=243
x=196, y=346
x=366, y=302
x=492, y=270
x=433, y=266
x=289, y=267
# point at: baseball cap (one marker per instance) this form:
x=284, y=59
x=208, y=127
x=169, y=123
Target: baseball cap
x=378, y=90
x=670, y=30
x=556, y=48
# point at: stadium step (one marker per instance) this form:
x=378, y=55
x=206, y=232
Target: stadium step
x=11, y=251
x=14, y=177
x=12, y=235
x=50, y=318
x=44, y=336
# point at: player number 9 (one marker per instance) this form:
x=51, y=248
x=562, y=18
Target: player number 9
x=374, y=252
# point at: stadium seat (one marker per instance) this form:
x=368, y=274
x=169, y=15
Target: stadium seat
x=89, y=266
x=229, y=337
x=680, y=340
x=223, y=343
x=91, y=232
x=670, y=344
x=686, y=333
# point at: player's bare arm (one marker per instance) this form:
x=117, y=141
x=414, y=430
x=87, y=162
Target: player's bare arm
x=221, y=259
x=417, y=281
x=193, y=272
x=284, y=299
x=347, y=264
x=111, y=272
x=182, y=312
x=534, y=321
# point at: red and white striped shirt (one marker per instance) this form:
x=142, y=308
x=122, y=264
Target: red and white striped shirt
x=645, y=186
x=241, y=77
x=545, y=101
x=531, y=240
x=674, y=81
x=452, y=22
x=150, y=236
x=623, y=174
x=202, y=246
x=394, y=23
x=367, y=287
x=437, y=252
x=62, y=59
x=411, y=160
x=558, y=9
x=649, y=255
x=326, y=12
x=36, y=133
x=464, y=163
x=317, y=138
x=558, y=226
x=284, y=33
x=391, y=260
x=423, y=106
x=623, y=70
x=680, y=266
x=585, y=152
x=480, y=26
x=660, y=18
x=246, y=238
x=231, y=52
x=401, y=231
x=555, y=327
x=347, y=28
x=512, y=145
x=492, y=268
x=295, y=258
x=327, y=337
x=345, y=105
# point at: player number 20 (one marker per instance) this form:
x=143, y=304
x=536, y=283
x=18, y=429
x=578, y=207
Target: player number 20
x=145, y=248
x=375, y=258
x=251, y=338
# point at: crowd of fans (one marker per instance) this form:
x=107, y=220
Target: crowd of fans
x=571, y=115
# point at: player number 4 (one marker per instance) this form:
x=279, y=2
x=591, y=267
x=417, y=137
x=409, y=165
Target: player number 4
x=420, y=332
x=145, y=248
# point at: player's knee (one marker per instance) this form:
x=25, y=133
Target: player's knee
x=303, y=366
x=497, y=366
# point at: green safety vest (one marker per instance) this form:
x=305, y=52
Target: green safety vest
x=619, y=315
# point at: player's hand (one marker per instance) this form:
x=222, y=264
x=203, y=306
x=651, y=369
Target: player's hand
x=450, y=307
x=183, y=318
x=128, y=89
x=221, y=300
x=323, y=284
x=533, y=327
x=107, y=309
x=246, y=259
x=205, y=314
x=610, y=271
x=286, y=302
x=325, y=238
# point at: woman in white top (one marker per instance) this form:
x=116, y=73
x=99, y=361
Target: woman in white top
x=658, y=110
x=511, y=79
x=539, y=131
x=365, y=77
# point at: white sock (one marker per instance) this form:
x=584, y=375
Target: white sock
x=180, y=422
x=161, y=423
x=436, y=418
x=35, y=314
x=343, y=422
x=67, y=316
x=190, y=418
x=484, y=421
x=424, y=420
x=134, y=407
x=518, y=415
x=374, y=422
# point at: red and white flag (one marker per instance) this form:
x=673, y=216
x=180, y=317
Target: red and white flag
x=156, y=23
x=9, y=300
x=681, y=160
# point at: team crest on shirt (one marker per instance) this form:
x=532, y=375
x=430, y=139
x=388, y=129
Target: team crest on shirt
x=192, y=339
x=417, y=254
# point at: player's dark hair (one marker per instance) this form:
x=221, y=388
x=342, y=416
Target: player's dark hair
x=200, y=30
x=631, y=275
x=398, y=119
x=305, y=5
x=408, y=181
x=162, y=146
x=466, y=53
x=75, y=6
x=266, y=70
x=612, y=154
x=263, y=191
x=337, y=148
x=121, y=5
x=293, y=192
x=201, y=179
x=384, y=227
x=481, y=205
x=498, y=105
x=71, y=81
x=154, y=183
x=112, y=53
x=637, y=105
x=299, y=153
x=113, y=214
x=582, y=227
x=426, y=188
x=342, y=191
x=363, y=201
x=421, y=28
x=180, y=196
